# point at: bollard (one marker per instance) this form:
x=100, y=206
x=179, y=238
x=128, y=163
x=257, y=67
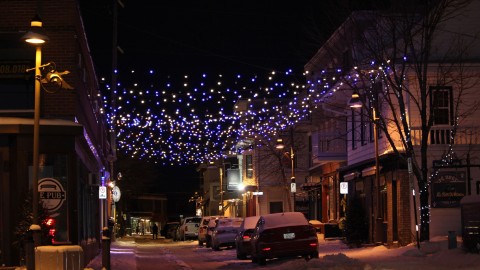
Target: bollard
x=29, y=251
x=452, y=240
x=32, y=241
x=106, y=248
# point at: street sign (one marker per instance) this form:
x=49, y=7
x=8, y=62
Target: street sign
x=116, y=194
x=293, y=187
x=343, y=187
x=102, y=192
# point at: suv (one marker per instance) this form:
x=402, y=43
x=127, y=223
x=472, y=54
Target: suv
x=202, y=231
x=188, y=228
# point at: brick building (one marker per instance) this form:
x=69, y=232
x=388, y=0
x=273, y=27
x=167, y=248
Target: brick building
x=73, y=144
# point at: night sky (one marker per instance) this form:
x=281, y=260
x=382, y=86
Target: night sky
x=173, y=38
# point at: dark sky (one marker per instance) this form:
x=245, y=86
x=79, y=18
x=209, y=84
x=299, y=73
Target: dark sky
x=185, y=37
x=202, y=36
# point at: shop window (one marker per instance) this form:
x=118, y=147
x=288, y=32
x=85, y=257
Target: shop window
x=276, y=207
x=249, y=166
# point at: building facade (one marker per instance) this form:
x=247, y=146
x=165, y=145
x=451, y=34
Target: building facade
x=73, y=143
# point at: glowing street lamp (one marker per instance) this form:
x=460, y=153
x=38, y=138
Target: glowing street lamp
x=36, y=37
x=355, y=102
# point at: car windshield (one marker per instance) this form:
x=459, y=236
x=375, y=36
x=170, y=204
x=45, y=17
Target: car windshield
x=193, y=220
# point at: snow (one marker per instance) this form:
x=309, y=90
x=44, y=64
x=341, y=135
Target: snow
x=250, y=222
x=283, y=219
x=333, y=254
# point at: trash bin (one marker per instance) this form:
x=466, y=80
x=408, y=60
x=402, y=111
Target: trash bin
x=452, y=239
x=68, y=257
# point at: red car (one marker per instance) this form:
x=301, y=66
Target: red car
x=283, y=235
x=242, y=240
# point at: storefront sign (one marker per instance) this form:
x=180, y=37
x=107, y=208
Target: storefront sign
x=51, y=193
x=448, y=189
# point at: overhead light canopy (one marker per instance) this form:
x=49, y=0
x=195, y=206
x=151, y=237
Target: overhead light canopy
x=35, y=34
x=355, y=101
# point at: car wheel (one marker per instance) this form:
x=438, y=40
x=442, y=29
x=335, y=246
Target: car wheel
x=241, y=255
x=208, y=243
x=215, y=247
x=261, y=261
x=200, y=243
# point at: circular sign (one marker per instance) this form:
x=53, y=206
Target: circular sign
x=116, y=193
x=51, y=193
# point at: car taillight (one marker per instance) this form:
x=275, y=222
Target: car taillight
x=266, y=249
x=246, y=236
x=313, y=244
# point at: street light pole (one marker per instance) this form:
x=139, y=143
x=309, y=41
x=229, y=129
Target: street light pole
x=379, y=219
x=293, y=187
x=35, y=36
x=355, y=102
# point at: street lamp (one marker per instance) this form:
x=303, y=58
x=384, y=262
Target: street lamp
x=36, y=37
x=355, y=102
x=293, y=188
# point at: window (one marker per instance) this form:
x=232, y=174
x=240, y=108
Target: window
x=441, y=102
x=249, y=166
x=276, y=207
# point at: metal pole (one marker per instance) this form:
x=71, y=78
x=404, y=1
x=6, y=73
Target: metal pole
x=414, y=200
x=377, y=174
x=292, y=159
x=221, y=192
x=36, y=134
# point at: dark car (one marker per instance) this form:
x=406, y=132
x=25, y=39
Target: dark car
x=169, y=229
x=283, y=235
x=242, y=240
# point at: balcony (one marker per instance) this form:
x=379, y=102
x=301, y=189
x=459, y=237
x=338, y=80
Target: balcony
x=444, y=135
x=328, y=148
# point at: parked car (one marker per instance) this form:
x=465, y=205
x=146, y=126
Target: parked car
x=188, y=228
x=283, y=235
x=212, y=223
x=202, y=230
x=224, y=233
x=242, y=239
x=169, y=229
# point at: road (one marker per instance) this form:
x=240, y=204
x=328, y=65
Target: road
x=183, y=255
x=142, y=253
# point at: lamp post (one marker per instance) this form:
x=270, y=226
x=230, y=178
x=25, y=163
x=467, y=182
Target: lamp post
x=355, y=102
x=37, y=38
x=291, y=155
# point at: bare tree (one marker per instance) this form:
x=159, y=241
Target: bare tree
x=398, y=56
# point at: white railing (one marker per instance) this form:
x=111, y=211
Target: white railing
x=328, y=147
x=444, y=135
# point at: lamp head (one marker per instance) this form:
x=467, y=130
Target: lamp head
x=35, y=35
x=355, y=101
x=279, y=144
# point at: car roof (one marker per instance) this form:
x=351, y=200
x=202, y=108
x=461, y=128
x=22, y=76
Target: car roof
x=229, y=221
x=250, y=222
x=283, y=219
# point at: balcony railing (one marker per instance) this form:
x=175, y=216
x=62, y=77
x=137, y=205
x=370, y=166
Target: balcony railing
x=444, y=135
x=328, y=148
